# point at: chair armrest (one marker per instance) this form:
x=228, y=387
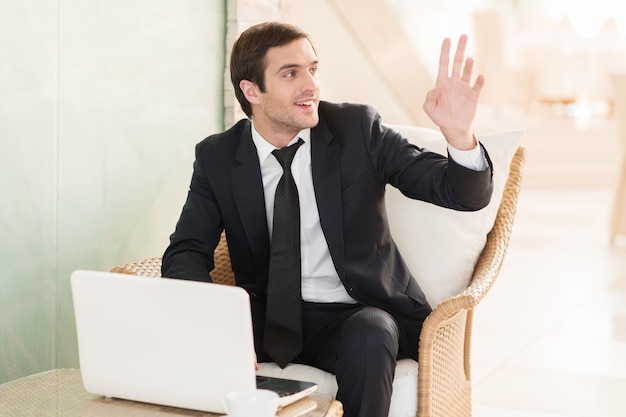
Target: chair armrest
x=150, y=267
x=222, y=272
x=444, y=386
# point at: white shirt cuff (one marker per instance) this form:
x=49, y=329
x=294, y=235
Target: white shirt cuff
x=473, y=159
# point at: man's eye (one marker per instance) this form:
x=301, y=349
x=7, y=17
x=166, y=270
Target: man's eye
x=313, y=70
x=290, y=74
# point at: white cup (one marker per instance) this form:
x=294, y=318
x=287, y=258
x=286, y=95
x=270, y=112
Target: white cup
x=251, y=403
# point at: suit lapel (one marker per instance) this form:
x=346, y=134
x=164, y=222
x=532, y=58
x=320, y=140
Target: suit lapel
x=247, y=188
x=326, y=170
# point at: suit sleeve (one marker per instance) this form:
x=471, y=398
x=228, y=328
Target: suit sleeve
x=424, y=175
x=190, y=252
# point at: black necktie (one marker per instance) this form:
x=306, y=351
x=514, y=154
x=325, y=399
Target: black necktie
x=282, y=338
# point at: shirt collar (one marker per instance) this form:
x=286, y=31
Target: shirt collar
x=264, y=148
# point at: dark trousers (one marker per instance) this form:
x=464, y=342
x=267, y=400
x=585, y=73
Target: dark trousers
x=360, y=346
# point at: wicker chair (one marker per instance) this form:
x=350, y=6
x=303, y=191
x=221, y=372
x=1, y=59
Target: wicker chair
x=444, y=384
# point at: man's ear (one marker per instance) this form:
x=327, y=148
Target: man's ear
x=250, y=91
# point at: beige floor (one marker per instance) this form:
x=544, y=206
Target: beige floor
x=550, y=338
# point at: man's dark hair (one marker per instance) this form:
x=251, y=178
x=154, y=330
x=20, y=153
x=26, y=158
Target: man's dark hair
x=248, y=56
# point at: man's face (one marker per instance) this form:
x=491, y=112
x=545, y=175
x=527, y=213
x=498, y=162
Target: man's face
x=291, y=98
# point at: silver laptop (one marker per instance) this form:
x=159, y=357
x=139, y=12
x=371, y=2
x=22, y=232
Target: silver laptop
x=166, y=341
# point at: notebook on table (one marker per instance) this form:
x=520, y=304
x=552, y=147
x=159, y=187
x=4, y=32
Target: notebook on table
x=166, y=341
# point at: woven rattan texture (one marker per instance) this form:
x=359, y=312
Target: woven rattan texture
x=444, y=380
x=448, y=376
x=151, y=267
x=335, y=409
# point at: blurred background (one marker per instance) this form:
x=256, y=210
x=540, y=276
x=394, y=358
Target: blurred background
x=103, y=102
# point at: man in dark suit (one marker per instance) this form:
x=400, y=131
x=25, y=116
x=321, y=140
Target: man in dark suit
x=360, y=308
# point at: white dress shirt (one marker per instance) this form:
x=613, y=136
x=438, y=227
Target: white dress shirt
x=320, y=282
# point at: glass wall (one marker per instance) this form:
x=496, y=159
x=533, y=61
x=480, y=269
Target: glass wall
x=102, y=105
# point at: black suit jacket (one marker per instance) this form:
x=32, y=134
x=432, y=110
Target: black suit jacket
x=353, y=157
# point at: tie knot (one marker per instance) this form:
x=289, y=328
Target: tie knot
x=285, y=155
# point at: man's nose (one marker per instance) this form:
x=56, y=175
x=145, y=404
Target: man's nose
x=311, y=82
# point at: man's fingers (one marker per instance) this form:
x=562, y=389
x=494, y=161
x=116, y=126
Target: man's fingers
x=479, y=84
x=467, y=70
x=461, y=67
x=431, y=100
x=459, y=56
x=444, y=59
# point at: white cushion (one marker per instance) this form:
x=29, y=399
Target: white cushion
x=440, y=246
x=403, y=399
x=326, y=382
